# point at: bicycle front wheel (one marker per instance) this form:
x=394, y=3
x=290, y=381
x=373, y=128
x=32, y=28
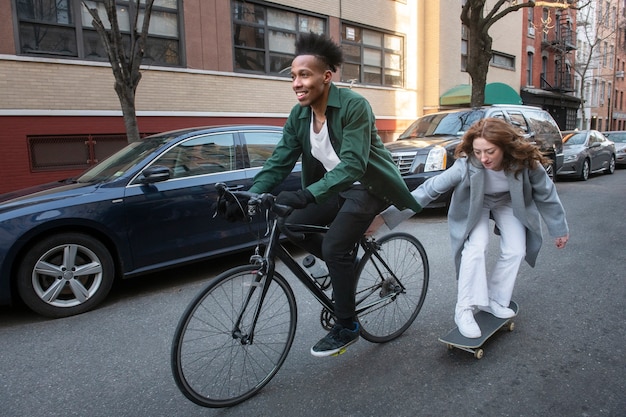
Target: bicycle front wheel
x=221, y=354
x=391, y=287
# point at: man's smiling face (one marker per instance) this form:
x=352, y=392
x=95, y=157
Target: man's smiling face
x=309, y=77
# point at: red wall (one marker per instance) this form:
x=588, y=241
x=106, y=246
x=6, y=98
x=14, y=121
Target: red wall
x=15, y=172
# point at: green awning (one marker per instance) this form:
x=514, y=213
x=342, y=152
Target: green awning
x=495, y=93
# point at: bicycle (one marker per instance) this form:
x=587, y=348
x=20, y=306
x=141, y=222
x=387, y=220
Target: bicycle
x=236, y=333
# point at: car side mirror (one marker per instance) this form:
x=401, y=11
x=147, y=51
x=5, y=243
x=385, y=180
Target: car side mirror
x=156, y=173
x=595, y=145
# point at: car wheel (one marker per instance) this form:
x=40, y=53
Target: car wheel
x=584, y=171
x=611, y=168
x=65, y=274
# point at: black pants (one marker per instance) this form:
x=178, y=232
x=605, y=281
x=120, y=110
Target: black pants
x=349, y=214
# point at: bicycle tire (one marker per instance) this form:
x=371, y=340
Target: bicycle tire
x=394, y=307
x=214, y=368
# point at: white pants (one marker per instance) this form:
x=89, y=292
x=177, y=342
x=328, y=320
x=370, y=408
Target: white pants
x=476, y=288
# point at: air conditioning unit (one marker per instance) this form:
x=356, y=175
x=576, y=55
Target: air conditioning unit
x=619, y=74
x=531, y=31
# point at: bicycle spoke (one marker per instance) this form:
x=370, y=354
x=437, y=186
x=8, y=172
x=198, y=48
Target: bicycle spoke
x=391, y=287
x=216, y=366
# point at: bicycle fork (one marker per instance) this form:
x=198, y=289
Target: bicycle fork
x=261, y=281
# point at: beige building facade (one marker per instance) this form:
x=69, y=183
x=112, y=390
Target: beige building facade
x=62, y=93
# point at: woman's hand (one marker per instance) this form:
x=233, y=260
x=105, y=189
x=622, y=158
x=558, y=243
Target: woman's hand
x=560, y=242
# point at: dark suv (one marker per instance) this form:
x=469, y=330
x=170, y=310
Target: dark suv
x=426, y=148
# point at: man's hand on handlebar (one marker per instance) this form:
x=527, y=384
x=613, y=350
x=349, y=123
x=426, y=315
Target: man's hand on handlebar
x=296, y=199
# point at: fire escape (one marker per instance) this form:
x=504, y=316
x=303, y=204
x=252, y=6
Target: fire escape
x=559, y=43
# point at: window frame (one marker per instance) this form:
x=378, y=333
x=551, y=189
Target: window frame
x=269, y=30
x=82, y=32
x=366, y=50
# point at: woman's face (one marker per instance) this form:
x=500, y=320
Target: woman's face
x=309, y=79
x=488, y=154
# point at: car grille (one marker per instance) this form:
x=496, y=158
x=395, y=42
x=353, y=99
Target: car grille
x=404, y=161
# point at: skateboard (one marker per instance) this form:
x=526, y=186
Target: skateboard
x=488, y=323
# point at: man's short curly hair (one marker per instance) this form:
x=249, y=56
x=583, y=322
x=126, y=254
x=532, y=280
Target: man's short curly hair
x=320, y=46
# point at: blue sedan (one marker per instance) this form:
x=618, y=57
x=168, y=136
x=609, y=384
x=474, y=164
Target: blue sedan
x=147, y=207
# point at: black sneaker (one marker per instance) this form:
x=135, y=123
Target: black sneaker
x=336, y=341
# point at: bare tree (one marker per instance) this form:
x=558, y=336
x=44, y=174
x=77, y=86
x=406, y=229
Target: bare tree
x=478, y=22
x=125, y=59
x=588, y=60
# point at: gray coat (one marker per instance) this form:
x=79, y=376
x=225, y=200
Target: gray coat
x=533, y=196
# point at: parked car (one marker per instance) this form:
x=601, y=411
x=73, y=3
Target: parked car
x=147, y=207
x=618, y=138
x=426, y=148
x=586, y=152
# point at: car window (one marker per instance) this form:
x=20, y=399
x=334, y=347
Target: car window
x=498, y=115
x=617, y=136
x=542, y=123
x=518, y=120
x=201, y=155
x=442, y=124
x=117, y=164
x=260, y=146
x=577, y=138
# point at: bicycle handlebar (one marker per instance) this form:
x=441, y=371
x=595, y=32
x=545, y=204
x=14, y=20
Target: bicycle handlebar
x=265, y=200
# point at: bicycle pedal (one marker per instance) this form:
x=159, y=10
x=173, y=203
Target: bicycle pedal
x=341, y=352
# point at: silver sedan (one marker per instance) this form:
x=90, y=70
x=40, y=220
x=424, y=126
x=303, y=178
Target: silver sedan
x=586, y=152
x=618, y=137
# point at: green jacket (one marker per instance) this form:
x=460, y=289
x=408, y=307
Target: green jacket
x=354, y=137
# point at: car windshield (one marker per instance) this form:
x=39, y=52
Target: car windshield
x=576, y=139
x=618, y=137
x=442, y=124
x=117, y=164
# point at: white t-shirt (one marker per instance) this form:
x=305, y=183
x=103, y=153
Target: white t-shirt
x=322, y=149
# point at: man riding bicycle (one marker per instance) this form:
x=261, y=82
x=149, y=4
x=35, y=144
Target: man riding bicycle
x=348, y=176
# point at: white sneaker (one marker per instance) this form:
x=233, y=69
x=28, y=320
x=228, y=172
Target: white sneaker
x=498, y=310
x=464, y=319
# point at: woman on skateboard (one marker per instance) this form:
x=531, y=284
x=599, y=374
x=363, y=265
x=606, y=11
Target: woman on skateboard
x=497, y=175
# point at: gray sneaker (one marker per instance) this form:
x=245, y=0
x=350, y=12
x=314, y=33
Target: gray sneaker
x=336, y=341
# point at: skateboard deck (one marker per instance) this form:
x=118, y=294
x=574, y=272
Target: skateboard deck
x=488, y=323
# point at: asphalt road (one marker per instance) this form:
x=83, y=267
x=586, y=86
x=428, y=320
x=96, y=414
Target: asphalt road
x=566, y=356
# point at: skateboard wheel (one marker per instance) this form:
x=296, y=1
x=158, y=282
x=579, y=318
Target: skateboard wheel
x=450, y=347
x=511, y=326
x=479, y=354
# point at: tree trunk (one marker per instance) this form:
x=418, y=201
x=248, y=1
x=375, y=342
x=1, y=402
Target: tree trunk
x=125, y=63
x=479, y=55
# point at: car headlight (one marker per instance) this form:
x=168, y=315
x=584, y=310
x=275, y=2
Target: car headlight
x=570, y=158
x=436, y=159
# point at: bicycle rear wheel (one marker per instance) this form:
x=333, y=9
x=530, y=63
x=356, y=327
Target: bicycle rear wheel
x=391, y=287
x=217, y=359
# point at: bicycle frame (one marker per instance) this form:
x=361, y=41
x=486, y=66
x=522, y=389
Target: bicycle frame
x=275, y=250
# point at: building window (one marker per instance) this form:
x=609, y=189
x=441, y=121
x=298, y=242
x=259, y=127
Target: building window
x=51, y=153
x=63, y=28
x=531, y=21
x=264, y=37
x=371, y=56
x=544, y=72
x=529, y=69
x=545, y=18
x=502, y=60
x=464, y=47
